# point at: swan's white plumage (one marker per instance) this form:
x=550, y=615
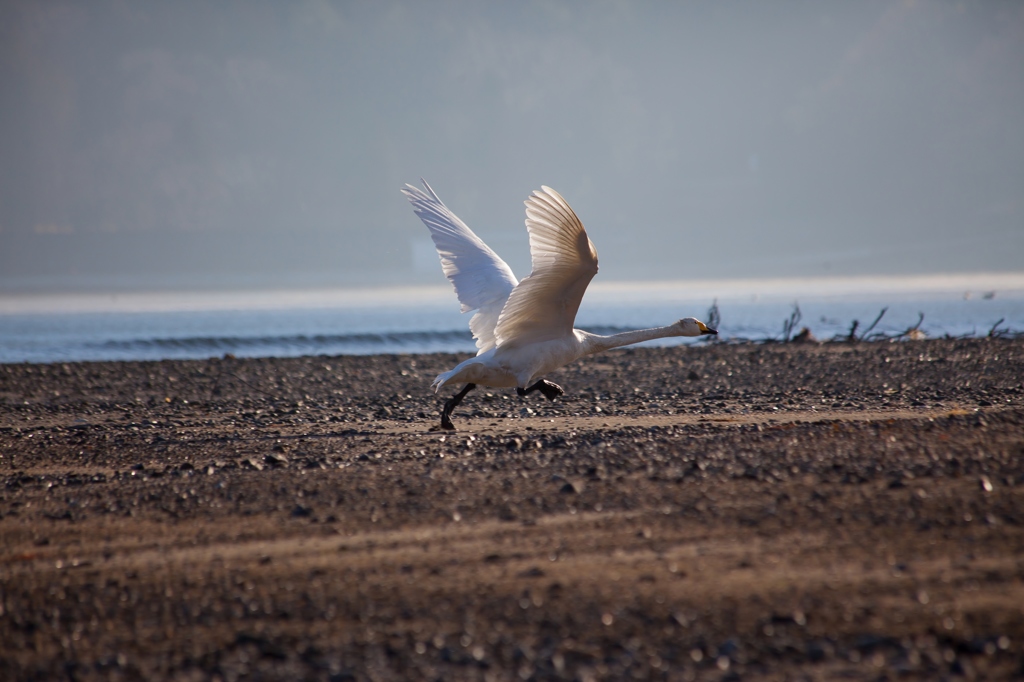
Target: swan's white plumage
x=544, y=305
x=482, y=280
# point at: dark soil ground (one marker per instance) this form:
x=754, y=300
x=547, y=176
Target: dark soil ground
x=721, y=512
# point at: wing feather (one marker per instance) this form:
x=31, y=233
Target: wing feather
x=482, y=280
x=543, y=306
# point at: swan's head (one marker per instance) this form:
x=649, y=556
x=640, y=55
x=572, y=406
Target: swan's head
x=689, y=326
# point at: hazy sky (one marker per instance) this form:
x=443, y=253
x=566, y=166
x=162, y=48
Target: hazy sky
x=149, y=144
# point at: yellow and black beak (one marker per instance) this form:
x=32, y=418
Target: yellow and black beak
x=704, y=329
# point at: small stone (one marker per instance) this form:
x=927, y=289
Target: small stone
x=985, y=483
x=572, y=487
x=805, y=336
x=275, y=459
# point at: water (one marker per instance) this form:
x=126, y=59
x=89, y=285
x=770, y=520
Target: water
x=68, y=328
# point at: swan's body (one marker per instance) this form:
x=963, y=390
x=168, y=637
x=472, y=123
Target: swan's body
x=523, y=330
x=512, y=366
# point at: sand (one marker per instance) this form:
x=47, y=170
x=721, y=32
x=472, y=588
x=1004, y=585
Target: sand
x=711, y=512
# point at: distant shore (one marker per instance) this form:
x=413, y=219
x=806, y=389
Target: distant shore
x=140, y=298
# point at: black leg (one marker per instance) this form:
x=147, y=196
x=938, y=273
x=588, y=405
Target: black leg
x=451, y=404
x=550, y=390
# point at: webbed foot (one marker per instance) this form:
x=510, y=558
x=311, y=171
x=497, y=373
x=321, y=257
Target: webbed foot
x=550, y=390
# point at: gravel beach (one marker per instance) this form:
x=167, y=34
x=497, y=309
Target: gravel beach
x=709, y=512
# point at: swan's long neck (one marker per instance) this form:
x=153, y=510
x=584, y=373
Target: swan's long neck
x=594, y=343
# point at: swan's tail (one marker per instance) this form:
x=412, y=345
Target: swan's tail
x=441, y=380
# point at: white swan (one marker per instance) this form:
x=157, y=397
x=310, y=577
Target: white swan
x=523, y=330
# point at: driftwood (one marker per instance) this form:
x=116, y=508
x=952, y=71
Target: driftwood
x=714, y=319
x=875, y=323
x=789, y=325
x=805, y=335
x=914, y=333
x=851, y=336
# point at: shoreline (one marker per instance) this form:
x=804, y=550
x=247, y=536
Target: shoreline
x=760, y=510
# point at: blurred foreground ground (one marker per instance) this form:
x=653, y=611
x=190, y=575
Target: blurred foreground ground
x=718, y=512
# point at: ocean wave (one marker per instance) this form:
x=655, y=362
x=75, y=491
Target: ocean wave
x=291, y=344
x=376, y=341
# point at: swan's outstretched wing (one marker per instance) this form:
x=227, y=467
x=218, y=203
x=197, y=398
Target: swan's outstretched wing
x=482, y=280
x=543, y=306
